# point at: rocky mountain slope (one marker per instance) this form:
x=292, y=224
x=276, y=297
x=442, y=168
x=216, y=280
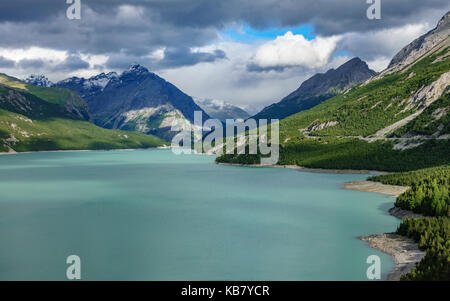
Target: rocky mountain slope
x=136, y=100
x=318, y=88
x=397, y=120
x=425, y=45
x=221, y=110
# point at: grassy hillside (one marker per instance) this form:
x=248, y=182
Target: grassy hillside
x=36, y=118
x=65, y=98
x=21, y=134
x=22, y=102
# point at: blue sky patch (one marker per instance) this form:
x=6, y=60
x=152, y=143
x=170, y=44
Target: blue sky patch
x=248, y=34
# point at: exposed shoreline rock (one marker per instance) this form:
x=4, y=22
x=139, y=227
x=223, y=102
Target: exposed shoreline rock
x=370, y=186
x=404, y=250
x=401, y=213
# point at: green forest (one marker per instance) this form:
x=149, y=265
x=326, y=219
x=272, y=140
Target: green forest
x=433, y=235
x=428, y=195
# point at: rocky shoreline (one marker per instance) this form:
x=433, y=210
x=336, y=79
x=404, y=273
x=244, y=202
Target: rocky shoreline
x=377, y=187
x=404, y=250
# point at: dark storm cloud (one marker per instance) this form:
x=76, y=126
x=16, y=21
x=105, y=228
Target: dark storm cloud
x=252, y=67
x=173, y=57
x=330, y=16
x=135, y=28
x=183, y=56
x=72, y=63
x=31, y=63
x=6, y=63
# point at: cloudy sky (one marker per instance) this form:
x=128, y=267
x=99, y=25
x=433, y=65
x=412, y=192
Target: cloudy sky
x=247, y=52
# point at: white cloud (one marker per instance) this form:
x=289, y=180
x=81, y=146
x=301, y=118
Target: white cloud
x=379, y=64
x=378, y=47
x=230, y=81
x=294, y=50
x=32, y=53
x=158, y=54
x=50, y=59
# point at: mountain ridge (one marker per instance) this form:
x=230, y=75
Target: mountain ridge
x=136, y=100
x=319, y=88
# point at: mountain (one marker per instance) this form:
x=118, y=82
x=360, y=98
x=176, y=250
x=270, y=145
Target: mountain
x=88, y=87
x=34, y=118
x=395, y=121
x=221, y=110
x=136, y=100
x=39, y=80
x=318, y=88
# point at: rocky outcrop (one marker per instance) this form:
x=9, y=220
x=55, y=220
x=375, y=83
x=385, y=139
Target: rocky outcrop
x=420, y=101
x=322, y=126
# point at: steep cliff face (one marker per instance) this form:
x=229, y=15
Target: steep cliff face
x=427, y=44
x=319, y=88
x=136, y=100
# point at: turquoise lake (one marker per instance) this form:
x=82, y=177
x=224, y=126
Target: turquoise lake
x=153, y=215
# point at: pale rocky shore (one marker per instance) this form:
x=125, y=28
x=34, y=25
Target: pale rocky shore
x=404, y=250
x=370, y=186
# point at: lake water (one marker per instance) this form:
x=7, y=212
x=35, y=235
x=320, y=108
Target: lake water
x=152, y=215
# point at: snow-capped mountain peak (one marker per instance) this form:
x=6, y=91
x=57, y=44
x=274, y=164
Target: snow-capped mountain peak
x=100, y=80
x=136, y=68
x=39, y=80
